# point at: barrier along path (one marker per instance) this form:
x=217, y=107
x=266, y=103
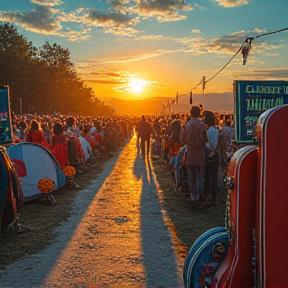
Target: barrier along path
x=116, y=236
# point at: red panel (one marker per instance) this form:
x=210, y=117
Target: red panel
x=236, y=270
x=272, y=209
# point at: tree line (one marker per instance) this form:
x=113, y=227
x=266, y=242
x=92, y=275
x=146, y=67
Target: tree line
x=43, y=79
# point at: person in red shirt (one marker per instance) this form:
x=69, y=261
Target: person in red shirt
x=35, y=134
x=59, y=145
x=58, y=136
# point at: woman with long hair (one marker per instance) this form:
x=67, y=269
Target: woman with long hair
x=35, y=134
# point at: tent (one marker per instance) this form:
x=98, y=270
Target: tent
x=10, y=190
x=39, y=163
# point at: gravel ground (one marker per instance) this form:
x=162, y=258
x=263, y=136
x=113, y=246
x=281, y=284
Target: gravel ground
x=116, y=237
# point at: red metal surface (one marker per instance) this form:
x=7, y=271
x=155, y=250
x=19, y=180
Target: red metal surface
x=236, y=270
x=272, y=199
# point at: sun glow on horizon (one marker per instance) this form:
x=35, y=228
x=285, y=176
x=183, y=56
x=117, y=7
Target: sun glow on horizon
x=137, y=85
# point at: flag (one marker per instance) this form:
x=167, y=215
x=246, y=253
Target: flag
x=245, y=49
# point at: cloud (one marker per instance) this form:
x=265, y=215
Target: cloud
x=114, y=74
x=196, y=31
x=50, y=21
x=105, y=19
x=121, y=31
x=38, y=20
x=110, y=75
x=277, y=73
x=103, y=81
x=141, y=56
x=123, y=13
x=49, y=3
x=91, y=74
x=232, y=43
x=151, y=37
x=112, y=22
x=120, y=18
x=163, y=10
x=231, y=3
x=165, y=6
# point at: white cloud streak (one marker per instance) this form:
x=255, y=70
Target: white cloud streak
x=231, y=3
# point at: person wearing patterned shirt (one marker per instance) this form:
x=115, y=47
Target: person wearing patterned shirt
x=195, y=137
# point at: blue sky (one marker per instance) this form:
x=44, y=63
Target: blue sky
x=168, y=45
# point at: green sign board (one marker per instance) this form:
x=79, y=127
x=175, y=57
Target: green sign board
x=251, y=99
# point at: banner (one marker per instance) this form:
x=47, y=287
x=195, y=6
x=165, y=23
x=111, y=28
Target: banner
x=251, y=99
x=5, y=117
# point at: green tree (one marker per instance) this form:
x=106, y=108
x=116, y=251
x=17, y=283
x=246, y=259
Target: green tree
x=14, y=62
x=44, y=78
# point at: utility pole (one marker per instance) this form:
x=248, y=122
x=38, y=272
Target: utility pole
x=176, y=103
x=20, y=106
x=203, y=82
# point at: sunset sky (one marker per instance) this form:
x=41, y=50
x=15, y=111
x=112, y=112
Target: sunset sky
x=155, y=48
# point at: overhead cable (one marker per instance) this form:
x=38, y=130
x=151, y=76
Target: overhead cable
x=247, y=43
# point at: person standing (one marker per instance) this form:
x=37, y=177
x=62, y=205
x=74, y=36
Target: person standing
x=145, y=131
x=195, y=137
x=23, y=125
x=212, y=157
x=228, y=133
x=58, y=145
x=157, y=137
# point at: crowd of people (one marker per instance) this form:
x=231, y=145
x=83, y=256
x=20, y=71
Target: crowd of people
x=60, y=134
x=195, y=145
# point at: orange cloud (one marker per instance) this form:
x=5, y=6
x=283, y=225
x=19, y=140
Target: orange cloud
x=231, y=3
x=104, y=81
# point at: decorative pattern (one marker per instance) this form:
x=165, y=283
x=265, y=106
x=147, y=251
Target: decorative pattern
x=69, y=171
x=46, y=185
x=228, y=216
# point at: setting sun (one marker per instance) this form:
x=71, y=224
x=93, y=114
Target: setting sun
x=137, y=85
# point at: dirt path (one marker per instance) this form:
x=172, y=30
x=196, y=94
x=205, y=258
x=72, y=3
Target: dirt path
x=116, y=237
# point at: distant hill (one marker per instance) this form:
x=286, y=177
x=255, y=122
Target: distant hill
x=154, y=106
x=134, y=107
x=211, y=101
